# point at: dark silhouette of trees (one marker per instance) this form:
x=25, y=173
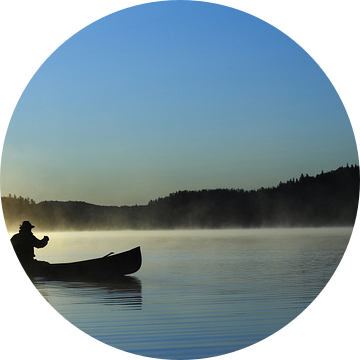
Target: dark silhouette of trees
x=327, y=199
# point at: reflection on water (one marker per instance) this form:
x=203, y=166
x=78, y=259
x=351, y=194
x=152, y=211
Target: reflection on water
x=122, y=295
x=199, y=293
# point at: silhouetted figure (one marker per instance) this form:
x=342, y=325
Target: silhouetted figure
x=24, y=242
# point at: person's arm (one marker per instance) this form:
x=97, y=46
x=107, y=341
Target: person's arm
x=40, y=243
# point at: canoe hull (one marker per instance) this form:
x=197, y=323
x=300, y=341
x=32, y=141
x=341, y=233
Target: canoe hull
x=106, y=268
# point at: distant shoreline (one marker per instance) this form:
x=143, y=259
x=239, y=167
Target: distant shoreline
x=325, y=200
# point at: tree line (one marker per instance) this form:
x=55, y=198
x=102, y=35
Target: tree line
x=327, y=199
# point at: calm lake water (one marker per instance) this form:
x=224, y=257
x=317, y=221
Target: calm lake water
x=199, y=293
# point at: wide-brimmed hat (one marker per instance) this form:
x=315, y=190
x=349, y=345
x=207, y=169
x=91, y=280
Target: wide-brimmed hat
x=27, y=225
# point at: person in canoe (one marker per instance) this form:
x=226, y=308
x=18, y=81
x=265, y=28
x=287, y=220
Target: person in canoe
x=24, y=243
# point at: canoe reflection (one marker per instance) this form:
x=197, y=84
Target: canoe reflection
x=125, y=293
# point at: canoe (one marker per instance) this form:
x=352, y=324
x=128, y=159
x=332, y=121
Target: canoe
x=109, y=267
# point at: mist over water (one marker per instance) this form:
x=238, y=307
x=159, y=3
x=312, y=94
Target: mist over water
x=199, y=293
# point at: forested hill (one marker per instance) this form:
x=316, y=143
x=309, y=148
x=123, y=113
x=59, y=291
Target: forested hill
x=327, y=199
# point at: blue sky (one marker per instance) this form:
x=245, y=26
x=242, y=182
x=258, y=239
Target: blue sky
x=172, y=96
